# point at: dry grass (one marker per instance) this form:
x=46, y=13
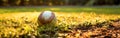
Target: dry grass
x=15, y=25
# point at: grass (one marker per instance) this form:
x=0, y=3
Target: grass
x=99, y=10
x=22, y=22
x=18, y=25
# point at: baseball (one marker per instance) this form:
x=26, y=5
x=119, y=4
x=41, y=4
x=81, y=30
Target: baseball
x=47, y=18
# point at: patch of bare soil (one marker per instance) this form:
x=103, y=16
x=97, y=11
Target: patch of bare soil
x=100, y=30
x=110, y=29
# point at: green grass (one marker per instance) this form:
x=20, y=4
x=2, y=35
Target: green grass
x=68, y=9
x=21, y=22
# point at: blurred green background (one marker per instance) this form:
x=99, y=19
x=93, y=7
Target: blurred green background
x=97, y=6
x=58, y=2
x=67, y=9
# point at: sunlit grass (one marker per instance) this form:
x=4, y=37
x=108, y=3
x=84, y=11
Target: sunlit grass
x=16, y=24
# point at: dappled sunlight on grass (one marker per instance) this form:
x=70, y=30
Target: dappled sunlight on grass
x=25, y=23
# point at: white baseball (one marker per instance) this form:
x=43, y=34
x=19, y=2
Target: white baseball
x=46, y=17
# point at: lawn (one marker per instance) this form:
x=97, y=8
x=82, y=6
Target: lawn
x=72, y=22
x=67, y=9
